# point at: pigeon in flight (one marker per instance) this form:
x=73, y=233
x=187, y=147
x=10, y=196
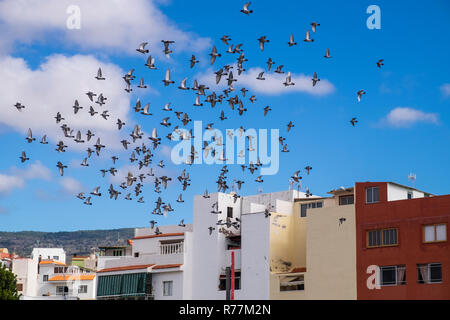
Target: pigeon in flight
x=245, y=9
x=44, y=139
x=308, y=37
x=19, y=106
x=315, y=79
x=193, y=61
x=181, y=224
x=23, y=157
x=142, y=49
x=29, y=137
x=290, y=125
x=225, y=39
x=167, y=80
x=150, y=63
x=76, y=107
x=267, y=109
x=380, y=63
x=353, y=121
x=99, y=75
x=360, y=93
x=308, y=169
x=327, y=54
x=61, y=168
x=296, y=177
x=291, y=41
x=314, y=25
x=262, y=40
x=214, y=54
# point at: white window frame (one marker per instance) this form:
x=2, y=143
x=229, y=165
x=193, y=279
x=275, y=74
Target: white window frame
x=367, y=198
x=84, y=286
x=170, y=287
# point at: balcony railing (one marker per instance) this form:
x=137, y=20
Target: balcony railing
x=171, y=248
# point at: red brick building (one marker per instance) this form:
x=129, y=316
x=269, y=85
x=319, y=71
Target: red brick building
x=404, y=232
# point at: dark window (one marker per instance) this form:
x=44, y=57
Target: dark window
x=136, y=254
x=229, y=212
x=393, y=275
x=345, y=200
x=223, y=281
x=388, y=276
x=435, y=272
x=372, y=195
x=429, y=273
x=45, y=278
x=382, y=237
x=303, y=210
x=374, y=238
x=410, y=195
x=389, y=237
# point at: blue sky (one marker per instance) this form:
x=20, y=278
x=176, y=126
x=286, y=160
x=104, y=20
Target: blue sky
x=403, y=119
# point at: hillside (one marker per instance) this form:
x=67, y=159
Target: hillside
x=79, y=242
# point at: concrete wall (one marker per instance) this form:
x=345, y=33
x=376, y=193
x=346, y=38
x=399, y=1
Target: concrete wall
x=177, y=286
x=331, y=253
x=26, y=272
x=49, y=253
x=396, y=192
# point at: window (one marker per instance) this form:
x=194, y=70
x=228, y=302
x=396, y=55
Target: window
x=20, y=287
x=311, y=205
x=429, y=273
x=292, y=283
x=223, y=281
x=372, y=195
x=410, y=195
x=55, y=257
x=45, y=278
x=392, y=275
x=136, y=254
x=345, y=200
x=229, y=212
x=167, y=288
x=435, y=233
x=303, y=210
x=82, y=289
x=61, y=290
x=382, y=238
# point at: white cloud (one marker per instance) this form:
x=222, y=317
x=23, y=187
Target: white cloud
x=445, y=89
x=272, y=85
x=53, y=87
x=71, y=185
x=406, y=117
x=16, y=178
x=119, y=25
x=8, y=183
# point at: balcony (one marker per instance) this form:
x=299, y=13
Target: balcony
x=171, y=248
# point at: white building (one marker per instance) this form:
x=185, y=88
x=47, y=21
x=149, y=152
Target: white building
x=251, y=243
x=156, y=268
x=40, y=278
x=49, y=253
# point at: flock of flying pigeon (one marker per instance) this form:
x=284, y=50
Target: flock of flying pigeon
x=143, y=155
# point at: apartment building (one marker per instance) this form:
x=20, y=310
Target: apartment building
x=155, y=269
x=404, y=233
x=41, y=278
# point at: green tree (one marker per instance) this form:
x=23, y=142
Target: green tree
x=8, y=285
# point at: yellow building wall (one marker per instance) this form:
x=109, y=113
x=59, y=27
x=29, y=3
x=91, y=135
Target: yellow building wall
x=318, y=242
x=331, y=253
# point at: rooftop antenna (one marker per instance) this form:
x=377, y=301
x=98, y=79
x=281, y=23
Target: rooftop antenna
x=412, y=178
x=291, y=184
